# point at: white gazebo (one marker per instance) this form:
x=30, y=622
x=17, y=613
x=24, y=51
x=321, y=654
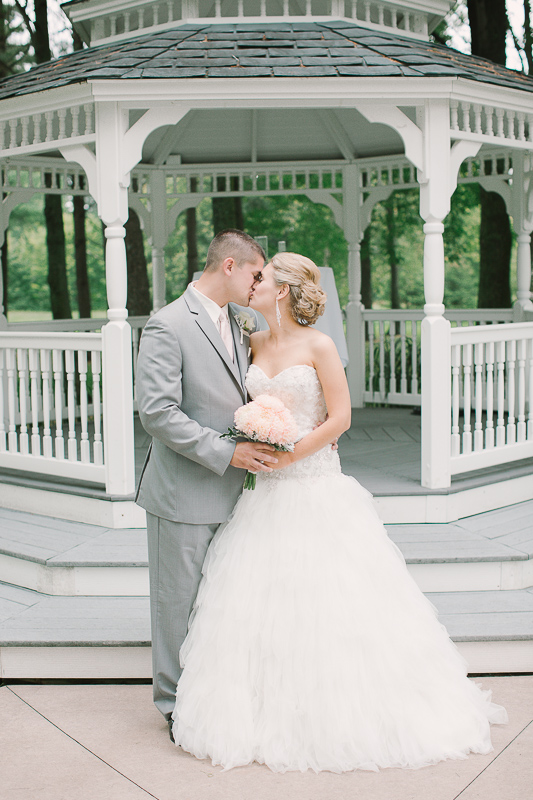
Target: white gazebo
x=343, y=101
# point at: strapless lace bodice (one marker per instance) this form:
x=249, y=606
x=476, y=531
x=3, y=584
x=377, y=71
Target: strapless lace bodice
x=300, y=390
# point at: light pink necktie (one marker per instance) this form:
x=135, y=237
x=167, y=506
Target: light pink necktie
x=225, y=333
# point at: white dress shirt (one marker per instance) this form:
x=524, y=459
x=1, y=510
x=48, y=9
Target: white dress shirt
x=214, y=311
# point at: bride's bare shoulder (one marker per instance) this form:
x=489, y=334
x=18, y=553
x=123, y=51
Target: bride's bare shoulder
x=322, y=345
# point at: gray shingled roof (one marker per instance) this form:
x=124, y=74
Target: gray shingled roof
x=328, y=49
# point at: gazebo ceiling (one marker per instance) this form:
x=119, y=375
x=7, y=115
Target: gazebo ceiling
x=227, y=135
x=270, y=50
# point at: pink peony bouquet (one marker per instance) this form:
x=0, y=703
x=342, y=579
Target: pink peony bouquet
x=266, y=419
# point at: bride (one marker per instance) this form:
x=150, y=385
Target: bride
x=310, y=646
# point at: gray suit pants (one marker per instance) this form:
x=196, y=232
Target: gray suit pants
x=176, y=552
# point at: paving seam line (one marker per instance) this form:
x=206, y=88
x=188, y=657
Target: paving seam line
x=494, y=759
x=82, y=745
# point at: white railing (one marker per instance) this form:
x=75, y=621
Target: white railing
x=51, y=404
x=492, y=370
x=157, y=15
x=83, y=325
x=393, y=357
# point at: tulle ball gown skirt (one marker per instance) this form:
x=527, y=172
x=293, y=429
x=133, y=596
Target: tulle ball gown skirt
x=311, y=647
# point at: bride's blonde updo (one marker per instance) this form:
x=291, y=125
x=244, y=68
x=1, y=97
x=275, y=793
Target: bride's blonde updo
x=307, y=298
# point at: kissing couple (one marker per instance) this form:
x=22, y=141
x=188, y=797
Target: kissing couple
x=286, y=628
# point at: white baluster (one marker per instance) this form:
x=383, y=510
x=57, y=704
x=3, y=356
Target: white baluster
x=170, y=11
x=489, y=130
x=96, y=367
x=25, y=121
x=2, y=404
x=88, y=109
x=530, y=127
x=382, y=388
x=489, y=430
x=511, y=424
x=454, y=115
x=240, y=9
x=500, y=389
x=62, y=116
x=478, y=397
x=262, y=12
x=403, y=378
x=456, y=369
x=75, y=118
x=414, y=357
x=49, y=117
x=35, y=402
x=510, y=125
x=467, y=401
x=47, y=390
x=85, y=447
x=22, y=365
x=13, y=123
x=127, y=21
x=477, y=117
x=155, y=20
x=381, y=14
x=70, y=368
x=521, y=382
x=392, y=341
x=465, y=107
x=394, y=18
x=2, y=134
x=113, y=25
x=141, y=18
x=367, y=11
x=371, y=358
x=499, y=123
x=57, y=366
x=11, y=400
x=308, y=8
x=521, y=117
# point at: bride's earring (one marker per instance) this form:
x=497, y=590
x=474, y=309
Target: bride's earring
x=278, y=313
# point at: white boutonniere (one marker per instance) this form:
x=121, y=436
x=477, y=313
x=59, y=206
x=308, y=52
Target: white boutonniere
x=246, y=323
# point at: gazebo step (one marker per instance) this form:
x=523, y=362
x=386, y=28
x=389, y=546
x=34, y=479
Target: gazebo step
x=109, y=637
x=485, y=552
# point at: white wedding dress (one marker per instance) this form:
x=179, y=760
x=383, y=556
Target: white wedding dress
x=310, y=645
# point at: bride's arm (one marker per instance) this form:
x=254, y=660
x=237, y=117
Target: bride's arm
x=337, y=396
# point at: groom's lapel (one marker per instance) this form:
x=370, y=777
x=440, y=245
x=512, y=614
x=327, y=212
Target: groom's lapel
x=208, y=328
x=241, y=348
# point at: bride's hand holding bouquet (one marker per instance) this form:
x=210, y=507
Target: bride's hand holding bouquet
x=266, y=419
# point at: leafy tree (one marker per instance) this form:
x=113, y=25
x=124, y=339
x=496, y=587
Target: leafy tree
x=488, y=26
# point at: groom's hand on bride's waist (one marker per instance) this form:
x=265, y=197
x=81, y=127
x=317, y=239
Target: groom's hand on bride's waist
x=254, y=456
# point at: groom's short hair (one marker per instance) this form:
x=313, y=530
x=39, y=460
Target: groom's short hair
x=232, y=243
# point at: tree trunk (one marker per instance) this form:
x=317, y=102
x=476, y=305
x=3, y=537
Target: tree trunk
x=366, y=271
x=53, y=210
x=495, y=241
x=227, y=211
x=528, y=37
x=390, y=243
x=80, y=254
x=192, y=244
x=488, y=26
x=57, y=267
x=138, y=302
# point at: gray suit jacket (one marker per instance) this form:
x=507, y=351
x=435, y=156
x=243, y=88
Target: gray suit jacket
x=187, y=392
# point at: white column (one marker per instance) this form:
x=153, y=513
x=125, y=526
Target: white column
x=159, y=227
x=523, y=272
x=159, y=281
x=117, y=373
x=355, y=331
x=435, y=192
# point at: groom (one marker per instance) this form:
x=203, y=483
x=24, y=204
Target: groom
x=192, y=363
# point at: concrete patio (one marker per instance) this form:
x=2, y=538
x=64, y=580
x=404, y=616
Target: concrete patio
x=93, y=742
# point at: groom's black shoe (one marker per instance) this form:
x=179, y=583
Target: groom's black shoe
x=170, y=722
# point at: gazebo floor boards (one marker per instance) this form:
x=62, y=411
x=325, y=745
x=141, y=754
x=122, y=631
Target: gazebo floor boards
x=73, y=597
